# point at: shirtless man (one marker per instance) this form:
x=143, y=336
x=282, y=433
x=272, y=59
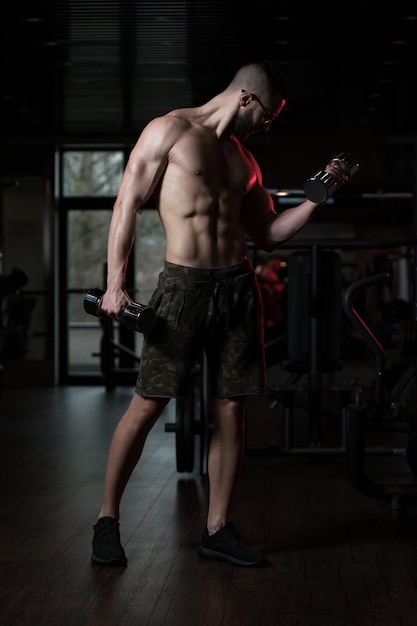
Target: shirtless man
x=210, y=198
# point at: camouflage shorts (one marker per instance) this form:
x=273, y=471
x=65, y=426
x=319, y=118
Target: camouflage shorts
x=218, y=311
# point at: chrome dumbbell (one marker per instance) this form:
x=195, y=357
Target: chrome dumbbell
x=136, y=316
x=322, y=185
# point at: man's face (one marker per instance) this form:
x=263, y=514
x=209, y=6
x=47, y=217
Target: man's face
x=244, y=125
x=254, y=117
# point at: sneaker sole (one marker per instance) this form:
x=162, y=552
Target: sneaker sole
x=112, y=563
x=206, y=553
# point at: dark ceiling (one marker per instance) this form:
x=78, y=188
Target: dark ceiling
x=103, y=68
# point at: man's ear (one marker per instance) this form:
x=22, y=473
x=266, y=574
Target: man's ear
x=245, y=97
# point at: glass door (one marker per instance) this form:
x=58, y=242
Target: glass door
x=90, y=183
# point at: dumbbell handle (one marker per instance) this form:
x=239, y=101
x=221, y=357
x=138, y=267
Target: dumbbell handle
x=322, y=185
x=136, y=316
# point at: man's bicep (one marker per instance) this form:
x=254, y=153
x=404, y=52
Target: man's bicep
x=257, y=214
x=257, y=208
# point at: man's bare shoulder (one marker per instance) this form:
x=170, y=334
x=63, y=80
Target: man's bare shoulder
x=168, y=127
x=160, y=134
x=177, y=119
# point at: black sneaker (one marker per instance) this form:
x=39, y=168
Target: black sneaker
x=227, y=545
x=107, y=549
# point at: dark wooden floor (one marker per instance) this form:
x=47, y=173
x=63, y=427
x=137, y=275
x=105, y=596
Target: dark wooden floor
x=335, y=556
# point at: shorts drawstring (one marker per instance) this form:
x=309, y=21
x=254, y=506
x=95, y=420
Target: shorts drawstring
x=222, y=286
x=214, y=301
x=219, y=278
x=227, y=302
x=179, y=311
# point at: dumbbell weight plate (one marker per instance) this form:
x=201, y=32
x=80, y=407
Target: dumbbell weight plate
x=321, y=186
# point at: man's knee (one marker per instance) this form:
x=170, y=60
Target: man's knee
x=229, y=411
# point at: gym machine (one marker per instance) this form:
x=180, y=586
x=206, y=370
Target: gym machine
x=390, y=410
